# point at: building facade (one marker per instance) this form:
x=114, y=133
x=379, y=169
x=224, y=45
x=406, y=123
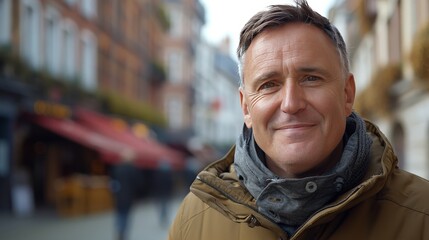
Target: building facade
x=130, y=37
x=56, y=58
x=187, y=18
x=217, y=113
x=387, y=41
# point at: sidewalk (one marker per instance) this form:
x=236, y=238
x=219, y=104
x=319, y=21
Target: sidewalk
x=48, y=226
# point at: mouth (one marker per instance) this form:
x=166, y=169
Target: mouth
x=296, y=131
x=297, y=126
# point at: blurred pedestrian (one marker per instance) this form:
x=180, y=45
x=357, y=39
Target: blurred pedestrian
x=164, y=191
x=124, y=187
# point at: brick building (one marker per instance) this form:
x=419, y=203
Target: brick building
x=57, y=57
x=187, y=18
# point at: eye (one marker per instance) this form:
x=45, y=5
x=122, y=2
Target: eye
x=311, y=78
x=268, y=85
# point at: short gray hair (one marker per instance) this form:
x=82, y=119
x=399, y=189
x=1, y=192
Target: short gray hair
x=279, y=15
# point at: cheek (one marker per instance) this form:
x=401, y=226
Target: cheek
x=329, y=102
x=263, y=107
x=331, y=108
x=254, y=100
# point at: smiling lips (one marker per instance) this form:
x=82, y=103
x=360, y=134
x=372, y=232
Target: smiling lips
x=296, y=126
x=295, y=130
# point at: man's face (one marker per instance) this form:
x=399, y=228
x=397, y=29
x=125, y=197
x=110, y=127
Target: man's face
x=296, y=97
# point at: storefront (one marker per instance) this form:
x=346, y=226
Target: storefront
x=67, y=154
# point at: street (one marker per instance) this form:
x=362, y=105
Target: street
x=49, y=226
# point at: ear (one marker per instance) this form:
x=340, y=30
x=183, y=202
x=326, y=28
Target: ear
x=245, y=108
x=350, y=91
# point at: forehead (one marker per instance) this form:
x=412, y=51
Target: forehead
x=300, y=42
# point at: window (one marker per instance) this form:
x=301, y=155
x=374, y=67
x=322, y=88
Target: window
x=69, y=54
x=174, y=112
x=176, y=21
x=5, y=21
x=196, y=28
x=52, y=41
x=89, y=8
x=70, y=2
x=395, y=35
x=175, y=69
x=29, y=34
x=89, y=61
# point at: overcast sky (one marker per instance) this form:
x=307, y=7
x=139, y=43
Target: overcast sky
x=227, y=17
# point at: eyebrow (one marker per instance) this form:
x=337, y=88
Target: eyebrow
x=312, y=69
x=264, y=76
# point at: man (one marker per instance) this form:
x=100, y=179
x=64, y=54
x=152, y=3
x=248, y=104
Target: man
x=124, y=187
x=305, y=166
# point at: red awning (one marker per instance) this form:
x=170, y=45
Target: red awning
x=110, y=150
x=149, y=152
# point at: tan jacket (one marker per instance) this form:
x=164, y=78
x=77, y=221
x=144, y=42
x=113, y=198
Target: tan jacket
x=389, y=204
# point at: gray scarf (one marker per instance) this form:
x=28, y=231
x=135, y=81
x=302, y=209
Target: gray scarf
x=289, y=202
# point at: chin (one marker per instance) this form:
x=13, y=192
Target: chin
x=294, y=158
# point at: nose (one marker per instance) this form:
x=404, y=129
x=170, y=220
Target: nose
x=293, y=99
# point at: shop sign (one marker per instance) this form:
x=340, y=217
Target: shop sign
x=49, y=109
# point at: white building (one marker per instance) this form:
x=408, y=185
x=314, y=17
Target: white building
x=217, y=113
x=381, y=33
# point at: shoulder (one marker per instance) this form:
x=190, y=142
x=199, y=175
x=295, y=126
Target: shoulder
x=407, y=191
x=197, y=220
x=193, y=216
x=191, y=207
